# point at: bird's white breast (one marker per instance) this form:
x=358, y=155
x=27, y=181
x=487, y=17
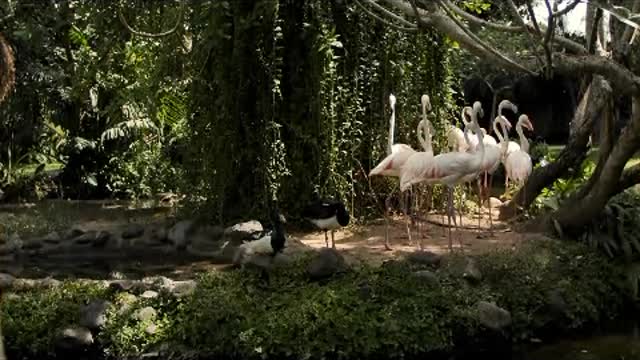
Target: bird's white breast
x=329, y=224
x=260, y=246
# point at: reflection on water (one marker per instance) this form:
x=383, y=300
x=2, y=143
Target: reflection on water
x=624, y=346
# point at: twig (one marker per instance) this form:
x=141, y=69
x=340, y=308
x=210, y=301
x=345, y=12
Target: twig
x=410, y=28
x=518, y=18
x=566, y=9
x=486, y=46
x=550, y=29
x=390, y=14
x=533, y=17
x=417, y=13
x=151, y=35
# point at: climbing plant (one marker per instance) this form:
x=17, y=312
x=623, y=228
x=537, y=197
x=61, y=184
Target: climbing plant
x=290, y=102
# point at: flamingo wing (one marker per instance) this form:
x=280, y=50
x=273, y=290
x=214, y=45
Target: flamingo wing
x=390, y=165
x=519, y=166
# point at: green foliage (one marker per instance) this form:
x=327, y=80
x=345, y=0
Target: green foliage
x=31, y=320
x=385, y=311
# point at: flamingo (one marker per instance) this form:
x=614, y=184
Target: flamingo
x=511, y=145
x=448, y=168
x=397, y=155
x=492, y=158
x=455, y=135
x=518, y=164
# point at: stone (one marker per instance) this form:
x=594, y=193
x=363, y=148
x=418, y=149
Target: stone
x=495, y=202
x=74, y=233
x=74, y=338
x=244, y=230
x=6, y=281
x=183, y=288
x=493, y=316
x=424, y=258
x=471, y=271
x=85, y=238
x=52, y=238
x=101, y=239
x=15, y=243
x=33, y=244
x=122, y=285
x=325, y=264
x=50, y=282
x=158, y=282
x=133, y=231
x=145, y=314
x=93, y=315
x=149, y=294
x=428, y=277
x=179, y=234
x=151, y=329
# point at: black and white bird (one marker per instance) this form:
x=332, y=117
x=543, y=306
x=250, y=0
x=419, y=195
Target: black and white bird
x=265, y=248
x=327, y=214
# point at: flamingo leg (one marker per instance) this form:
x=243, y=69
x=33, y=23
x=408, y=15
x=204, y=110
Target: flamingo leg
x=408, y=212
x=326, y=239
x=489, y=204
x=479, y=203
x=386, y=222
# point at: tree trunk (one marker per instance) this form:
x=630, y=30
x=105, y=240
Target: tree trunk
x=574, y=215
x=573, y=153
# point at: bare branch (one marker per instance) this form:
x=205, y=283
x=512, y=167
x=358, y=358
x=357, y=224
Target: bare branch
x=416, y=13
x=623, y=79
x=593, y=37
x=486, y=46
x=382, y=20
x=519, y=19
x=533, y=17
x=476, y=20
x=391, y=14
x=550, y=29
x=566, y=9
x=628, y=32
x=151, y=35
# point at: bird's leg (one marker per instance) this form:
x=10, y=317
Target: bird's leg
x=479, y=204
x=386, y=222
x=408, y=214
x=449, y=213
x=326, y=239
x=333, y=241
x=489, y=205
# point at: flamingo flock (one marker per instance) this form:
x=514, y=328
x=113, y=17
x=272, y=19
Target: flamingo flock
x=472, y=155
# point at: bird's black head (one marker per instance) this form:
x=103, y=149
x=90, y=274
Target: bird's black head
x=342, y=214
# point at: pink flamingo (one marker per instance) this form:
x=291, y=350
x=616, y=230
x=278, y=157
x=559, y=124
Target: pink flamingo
x=449, y=169
x=518, y=164
x=397, y=155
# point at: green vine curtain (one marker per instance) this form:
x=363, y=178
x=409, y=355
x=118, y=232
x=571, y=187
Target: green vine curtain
x=290, y=102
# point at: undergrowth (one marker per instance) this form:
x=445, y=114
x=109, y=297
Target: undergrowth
x=366, y=312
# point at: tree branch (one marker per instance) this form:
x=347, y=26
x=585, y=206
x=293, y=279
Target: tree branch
x=519, y=19
x=550, y=30
x=629, y=178
x=479, y=41
x=533, y=17
x=593, y=36
x=566, y=9
x=391, y=14
x=412, y=28
x=151, y=35
x=628, y=31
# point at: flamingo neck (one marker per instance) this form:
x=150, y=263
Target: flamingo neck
x=480, y=154
x=392, y=125
x=524, y=143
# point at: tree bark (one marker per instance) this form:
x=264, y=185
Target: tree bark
x=574, y=215
x=573, y=153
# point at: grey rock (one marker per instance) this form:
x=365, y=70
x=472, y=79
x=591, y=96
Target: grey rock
x=492, y=316
x=158, y=282
x=471, y=271
x=133, y=231
x=6, y=281
x=325, y=264
x=101, y=239
x=145, y=314
x=74, y=233
x=85, y=238
x=424, y=258
x=52, y=238
x=428, y=277
x=50, y=282
x=122, y=285
x=151, y=329
x=183, y=288
x=179, y=234
x=93, y=315
x=33, y=244
x=244, y=230
x=149, y=294
x=74, y=338
x=14, y=243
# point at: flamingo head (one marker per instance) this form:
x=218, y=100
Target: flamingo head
x=392, y=101
x=484, y=132
x=504, y=122
x=477, y=107
x=426, y=103
x=466, y=112
x=524, y=120
x=507, y=104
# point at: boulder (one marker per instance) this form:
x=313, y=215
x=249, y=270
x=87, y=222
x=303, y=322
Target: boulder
x=325, y=264
x=424, y=258
x=244, y=230
x=52, y=238
x=6, y=281
x=74, y=338
x=471, y=271
x=145, y=314
x=179, y=234
x=492, y=316
x=93, y=315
